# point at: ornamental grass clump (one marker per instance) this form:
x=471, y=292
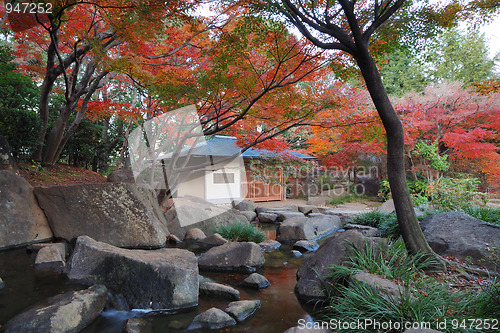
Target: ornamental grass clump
x=241, y=232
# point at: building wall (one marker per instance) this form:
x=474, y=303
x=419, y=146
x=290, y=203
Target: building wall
x=223, y=182
x=194, y=185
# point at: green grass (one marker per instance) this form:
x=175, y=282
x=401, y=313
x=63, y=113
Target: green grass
x=386, y=223
x=241, y=232
x=487, y=214
x=343, y=199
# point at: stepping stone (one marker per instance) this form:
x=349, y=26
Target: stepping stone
x=213, y=289
x=257, y=281
x=241, y=310
x=267, y=217
x=269, y=245
x=212, y=319
x=306, y=246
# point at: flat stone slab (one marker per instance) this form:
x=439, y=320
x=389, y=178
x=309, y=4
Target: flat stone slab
x=69, y=312
x=364, y=229
x=266, y=217
x=212, y=319
x=218, y=290
x=232, y=256
x=156, y=279
x=256, y=280
x=241, y=310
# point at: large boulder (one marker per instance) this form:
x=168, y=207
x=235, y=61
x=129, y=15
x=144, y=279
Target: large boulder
x=158, y=279
x=232, y=256
x=192, y=212
x=314, y=268
x=295, y=229
x=307, y=228
x=367, y=185
x=387, y=207
x=21, y=220
x=461, y=236
x=119, y=214
x=69, y=312
x=7, y=161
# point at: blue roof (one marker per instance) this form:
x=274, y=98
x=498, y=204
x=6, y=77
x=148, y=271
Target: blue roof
x=225, y=146
x=221, y=145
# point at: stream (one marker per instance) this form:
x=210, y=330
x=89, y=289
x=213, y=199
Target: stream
x=279, y=310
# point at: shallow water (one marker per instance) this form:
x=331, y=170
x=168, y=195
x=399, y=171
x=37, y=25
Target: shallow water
x=279, y=310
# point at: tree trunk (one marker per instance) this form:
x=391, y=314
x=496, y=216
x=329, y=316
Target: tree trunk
x=410, y=228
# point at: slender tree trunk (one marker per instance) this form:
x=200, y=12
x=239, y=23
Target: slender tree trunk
x=407, y=219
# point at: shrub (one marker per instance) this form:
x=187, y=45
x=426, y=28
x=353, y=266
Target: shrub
x=452, y=194
x=241, y=232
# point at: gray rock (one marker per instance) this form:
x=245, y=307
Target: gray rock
x=64, y=248
x=367, y=185
x=191, y=212
x=380, y=285
x=269, y=245
x=283, y=215
x=325, y=224
x=241, y=310
x=21, y=221
x=194, y=234
x=309, y=286
x=250, y=215
x=267, y=217
x=298, y=329
x=232, y=256
x=119, y=214
x=7, y=160
x=69, y=312
x=364, y=229
x=121, y=176
x=257, y=281
x=2, y=284
x=460, y=235
x=212, y=319
x=306, y=246
x=309, y=209
x=137, y=325
x=295, y=229
x=218, y=290
x=51, y=257
x=211, y=241
x=295, y=254
x=244, y=205
x=387, y=207
x=159, y=279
